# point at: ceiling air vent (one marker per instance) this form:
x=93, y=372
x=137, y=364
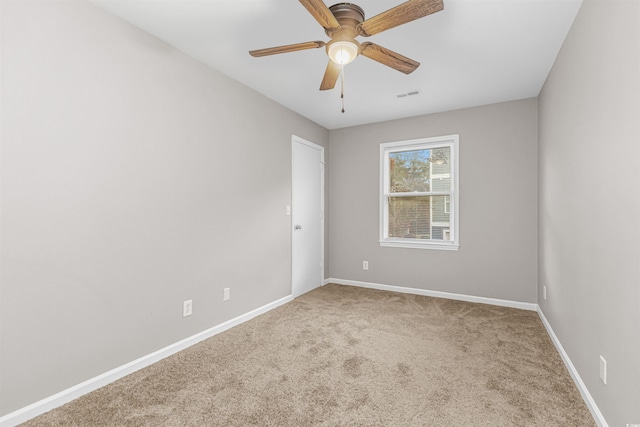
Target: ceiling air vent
x=407, y=94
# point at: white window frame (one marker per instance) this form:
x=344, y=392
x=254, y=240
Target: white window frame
x=386, y=148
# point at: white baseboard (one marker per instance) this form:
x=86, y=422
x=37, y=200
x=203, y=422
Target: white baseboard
x=65, y=396
x=586, y=396
x=436, y=294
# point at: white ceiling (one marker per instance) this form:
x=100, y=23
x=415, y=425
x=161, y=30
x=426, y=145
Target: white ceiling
x=474, y=52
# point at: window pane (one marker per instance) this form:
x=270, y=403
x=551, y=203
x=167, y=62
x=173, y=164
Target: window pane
x=439, y=215
x=419, y=170
x=441, y=183
x=409, y=171
x=422, y=217
x=440, y=161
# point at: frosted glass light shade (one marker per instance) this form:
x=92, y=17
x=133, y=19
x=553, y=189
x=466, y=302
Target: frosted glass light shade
x=342, y=52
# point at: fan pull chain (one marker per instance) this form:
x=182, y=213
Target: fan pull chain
x=342, y=86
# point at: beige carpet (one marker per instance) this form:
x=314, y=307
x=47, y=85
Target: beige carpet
x=346, y=356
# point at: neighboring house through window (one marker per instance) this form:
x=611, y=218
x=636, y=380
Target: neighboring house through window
x=419, y=193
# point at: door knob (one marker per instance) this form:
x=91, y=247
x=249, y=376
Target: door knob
x=297, y=227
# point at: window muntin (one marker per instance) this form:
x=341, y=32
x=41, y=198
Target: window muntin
x=418, y=200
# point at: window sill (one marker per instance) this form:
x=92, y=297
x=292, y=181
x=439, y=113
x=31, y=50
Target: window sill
x=413, y=244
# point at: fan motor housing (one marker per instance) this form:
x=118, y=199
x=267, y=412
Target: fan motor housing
x=349, y=15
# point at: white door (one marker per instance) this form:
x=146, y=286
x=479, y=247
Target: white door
x=307, y=216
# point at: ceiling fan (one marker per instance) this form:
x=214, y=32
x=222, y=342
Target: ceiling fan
x=343, y=22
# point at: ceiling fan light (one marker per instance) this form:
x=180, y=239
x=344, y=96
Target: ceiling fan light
x=342, y=52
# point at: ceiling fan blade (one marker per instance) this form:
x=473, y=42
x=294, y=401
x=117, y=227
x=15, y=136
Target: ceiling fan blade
x=321, y=13
x=330, y=76
x=389, y=58
x=286, y=48
x=401, y=14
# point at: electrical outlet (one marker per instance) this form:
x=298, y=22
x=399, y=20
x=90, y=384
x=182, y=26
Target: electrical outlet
x=544, y=292
x=365, y=265
x=603, y=370
x=227, y=295
x=187, y=308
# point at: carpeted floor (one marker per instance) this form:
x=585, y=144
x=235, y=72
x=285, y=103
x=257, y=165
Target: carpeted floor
x=347, y=356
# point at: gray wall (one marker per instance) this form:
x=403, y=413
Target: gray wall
x=133, y=178
x=498, y=204
x=590, y=202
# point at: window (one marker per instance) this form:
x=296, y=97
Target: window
x=419, y=193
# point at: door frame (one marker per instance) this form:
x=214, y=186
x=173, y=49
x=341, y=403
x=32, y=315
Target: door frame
x=298, y=140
